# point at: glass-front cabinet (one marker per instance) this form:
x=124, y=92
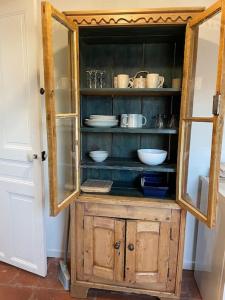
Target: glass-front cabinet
x=135, y=113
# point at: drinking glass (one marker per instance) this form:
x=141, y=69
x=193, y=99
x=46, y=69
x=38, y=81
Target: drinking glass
x=172, y=122
x=159, y=122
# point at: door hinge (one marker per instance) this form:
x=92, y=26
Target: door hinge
x=216, y=104
x=171, y=234
x=168, y=272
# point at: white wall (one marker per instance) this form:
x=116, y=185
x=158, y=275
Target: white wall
x=54, y=226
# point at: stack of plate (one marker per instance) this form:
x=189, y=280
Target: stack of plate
x=101, y=121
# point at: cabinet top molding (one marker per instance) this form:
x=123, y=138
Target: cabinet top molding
x=134, y=17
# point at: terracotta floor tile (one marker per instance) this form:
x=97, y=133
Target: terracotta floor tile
x=16, y=284
x=49, y=294
x=25, y=279
x=7, y=273
x=15, y=293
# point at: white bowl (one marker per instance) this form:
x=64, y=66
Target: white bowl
x=98, y=156
x=152, y=157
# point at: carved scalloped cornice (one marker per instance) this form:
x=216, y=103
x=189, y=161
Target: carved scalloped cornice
x=170, y=16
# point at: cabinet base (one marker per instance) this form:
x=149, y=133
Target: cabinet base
x=79, y=291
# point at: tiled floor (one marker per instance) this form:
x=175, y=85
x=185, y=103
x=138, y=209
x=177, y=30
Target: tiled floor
x=16, y=284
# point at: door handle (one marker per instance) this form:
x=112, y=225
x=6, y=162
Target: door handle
x=131, y=247
x=117, y=245
x=31, y=156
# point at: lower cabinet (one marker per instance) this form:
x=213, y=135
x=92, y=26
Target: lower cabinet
x=117, y=249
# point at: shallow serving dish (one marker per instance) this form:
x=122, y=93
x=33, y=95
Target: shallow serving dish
x=152, y=157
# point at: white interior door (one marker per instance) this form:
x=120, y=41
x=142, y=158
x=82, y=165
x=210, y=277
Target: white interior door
x=21, y=184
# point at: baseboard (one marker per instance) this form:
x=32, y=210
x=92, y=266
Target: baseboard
x=54, y=253
x=188, y=265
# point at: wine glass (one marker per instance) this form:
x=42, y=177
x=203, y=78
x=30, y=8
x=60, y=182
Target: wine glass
x=102, y=77
x=89, y=78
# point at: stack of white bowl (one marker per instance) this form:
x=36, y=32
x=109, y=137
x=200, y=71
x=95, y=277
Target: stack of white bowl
x=101, y=121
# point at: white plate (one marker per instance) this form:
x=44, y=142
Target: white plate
x=103, y=117
x=97, y=123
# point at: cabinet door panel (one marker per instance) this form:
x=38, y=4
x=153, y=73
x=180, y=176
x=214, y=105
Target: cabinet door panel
x=202, y=112
x=147, y=252
x=102, y=261
x=60, y=52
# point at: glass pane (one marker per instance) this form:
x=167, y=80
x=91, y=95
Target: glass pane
x=66, y=156
x=206, y=67
x=64, y=86
x=197, y=156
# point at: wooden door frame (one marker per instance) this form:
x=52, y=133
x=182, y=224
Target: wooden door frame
x=49, y=13
x=216, y=120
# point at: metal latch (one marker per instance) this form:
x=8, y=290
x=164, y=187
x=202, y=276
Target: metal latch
x=44, y=155
x=216, y=104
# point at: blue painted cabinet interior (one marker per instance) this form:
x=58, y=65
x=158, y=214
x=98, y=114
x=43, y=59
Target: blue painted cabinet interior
x=123, y=50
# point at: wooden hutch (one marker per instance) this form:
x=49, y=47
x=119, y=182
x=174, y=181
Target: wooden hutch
x=124, y=241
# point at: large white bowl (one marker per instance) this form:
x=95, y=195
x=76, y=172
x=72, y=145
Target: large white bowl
x=152, y=157
x=98, y=156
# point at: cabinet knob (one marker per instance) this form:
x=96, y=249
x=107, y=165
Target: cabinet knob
x=42, y=91
x=117, y=245
x=131, y=247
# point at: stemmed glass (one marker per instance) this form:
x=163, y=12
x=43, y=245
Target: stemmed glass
x=89, y=78
x=102, y=73
x=95, y=78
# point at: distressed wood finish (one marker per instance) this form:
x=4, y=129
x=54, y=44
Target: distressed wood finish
x=102, y=261
x=134, y=17
x=148, y=261
x=151, y=268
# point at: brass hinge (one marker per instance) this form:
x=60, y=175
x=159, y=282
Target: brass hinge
x=216, y=104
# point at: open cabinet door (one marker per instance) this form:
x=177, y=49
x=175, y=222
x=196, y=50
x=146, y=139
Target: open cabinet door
x=60, y=46
x=202, y=112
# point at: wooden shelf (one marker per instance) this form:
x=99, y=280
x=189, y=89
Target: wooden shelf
x=130, y=92
x=125, y=164
x=129, y=130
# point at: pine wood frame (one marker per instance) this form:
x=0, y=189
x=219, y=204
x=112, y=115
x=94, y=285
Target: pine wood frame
x=131, y=210
x=216, y=120
x=48, y=13
x=137, y=17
